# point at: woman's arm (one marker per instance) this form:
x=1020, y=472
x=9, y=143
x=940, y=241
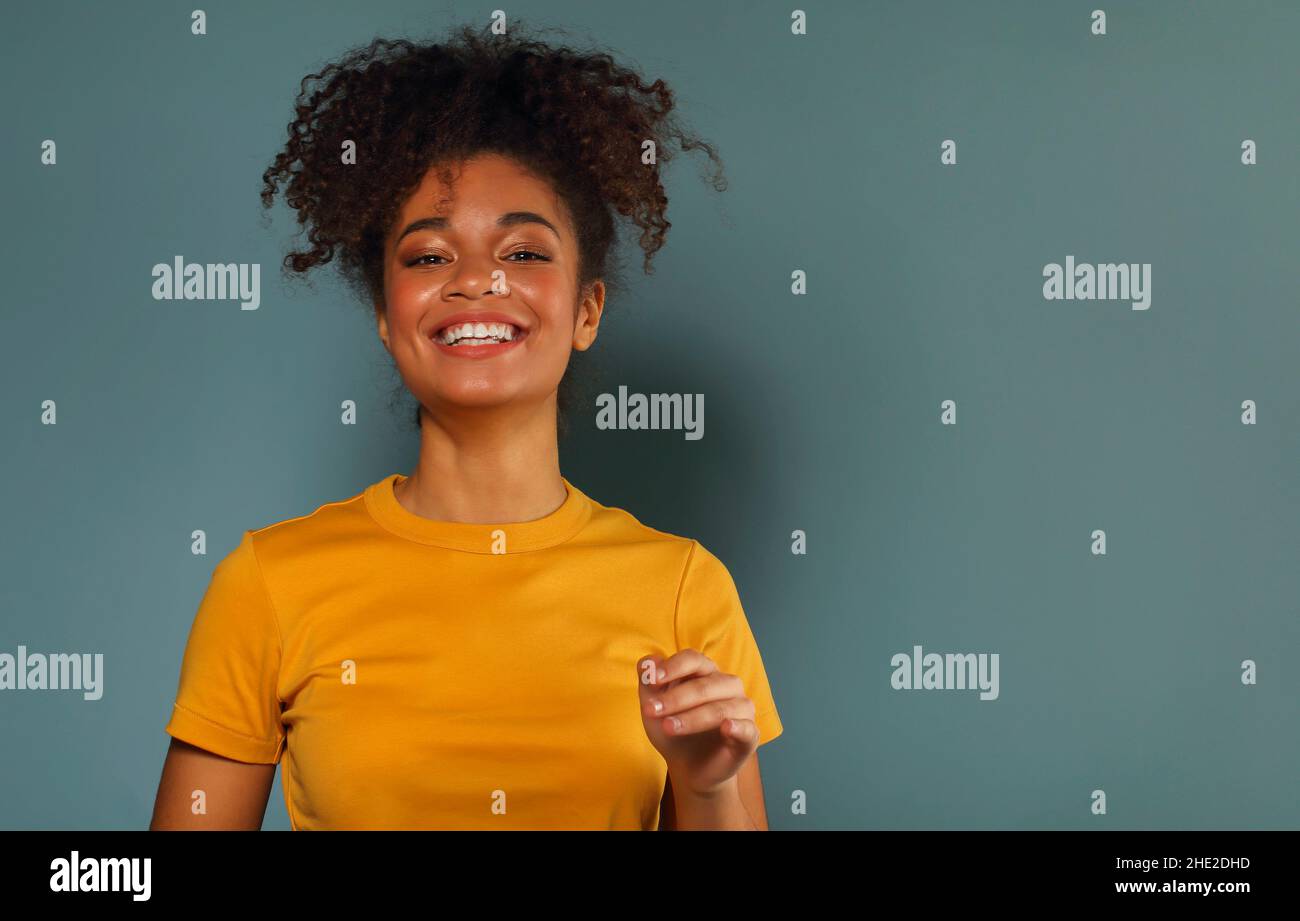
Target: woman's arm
x=749, y=786
x=235, y=793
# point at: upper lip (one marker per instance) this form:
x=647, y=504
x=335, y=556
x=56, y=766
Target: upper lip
x=477, y=316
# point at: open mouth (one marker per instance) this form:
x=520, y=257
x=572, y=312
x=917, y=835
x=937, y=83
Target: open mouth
x=462, y=334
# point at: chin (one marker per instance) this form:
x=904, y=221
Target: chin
x=474, y=398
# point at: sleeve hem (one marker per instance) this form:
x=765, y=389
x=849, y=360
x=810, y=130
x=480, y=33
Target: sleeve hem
x=769, y=726
x=198, y=730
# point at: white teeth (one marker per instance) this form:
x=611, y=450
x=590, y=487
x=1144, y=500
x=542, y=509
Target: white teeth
x=478, y=333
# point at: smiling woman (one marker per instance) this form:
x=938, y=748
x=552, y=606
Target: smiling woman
x=576, y=122
x=498, y=247
x=479, y=644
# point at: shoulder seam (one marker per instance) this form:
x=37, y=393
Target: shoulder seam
x=666, y=535
x=324, y=505
x=681, y=583
x=275, y=616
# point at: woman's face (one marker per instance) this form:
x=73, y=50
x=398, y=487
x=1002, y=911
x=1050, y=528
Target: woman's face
x=499, y=247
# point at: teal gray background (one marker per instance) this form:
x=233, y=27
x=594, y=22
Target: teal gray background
x=1119, y=672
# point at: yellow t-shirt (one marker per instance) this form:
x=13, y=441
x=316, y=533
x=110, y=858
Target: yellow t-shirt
x=413, y=675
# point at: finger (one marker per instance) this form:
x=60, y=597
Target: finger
x=691, y=692
x=651, y=683
x=650, y=672
x=687, y=662
x=741, y=731
x=708, y=716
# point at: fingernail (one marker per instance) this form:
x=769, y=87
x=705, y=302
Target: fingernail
x=658, y=705
x=676, y=723
x=662, y=674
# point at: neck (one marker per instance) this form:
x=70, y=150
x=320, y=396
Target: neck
x=486, y=466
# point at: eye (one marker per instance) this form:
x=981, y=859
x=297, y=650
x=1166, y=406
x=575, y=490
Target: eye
x=536, y=257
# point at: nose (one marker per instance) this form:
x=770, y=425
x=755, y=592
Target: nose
x=475, y=279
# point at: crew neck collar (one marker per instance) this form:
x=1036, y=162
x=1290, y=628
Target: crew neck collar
x=519, y=536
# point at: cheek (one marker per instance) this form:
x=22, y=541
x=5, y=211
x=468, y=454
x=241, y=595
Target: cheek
x=409, y=293
x=550, y=297
x=407, y=302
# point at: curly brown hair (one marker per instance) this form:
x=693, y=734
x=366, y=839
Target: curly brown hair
x=576, y=119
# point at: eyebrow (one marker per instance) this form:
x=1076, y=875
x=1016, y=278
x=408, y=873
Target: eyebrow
x=509, y=219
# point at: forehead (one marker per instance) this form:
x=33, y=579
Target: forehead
x=482, y=188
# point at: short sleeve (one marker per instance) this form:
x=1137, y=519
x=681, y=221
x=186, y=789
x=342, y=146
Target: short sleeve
x=226, y=700
x=710, y=618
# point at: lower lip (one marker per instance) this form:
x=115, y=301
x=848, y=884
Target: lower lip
x=480, y=351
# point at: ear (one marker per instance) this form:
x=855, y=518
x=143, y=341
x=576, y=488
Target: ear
x=381, y=320
x=587, y=321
